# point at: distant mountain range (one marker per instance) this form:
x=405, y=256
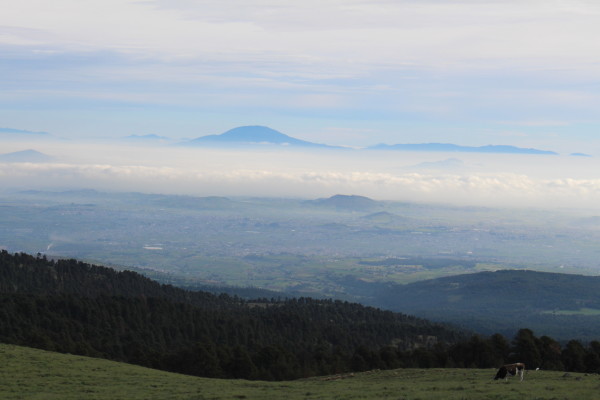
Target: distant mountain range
x=256, y=135
x=262, y=135
x=448, y=147
x=30, y=156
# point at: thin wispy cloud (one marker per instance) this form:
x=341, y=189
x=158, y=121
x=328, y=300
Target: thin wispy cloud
x=403, y=70
x=435, y=33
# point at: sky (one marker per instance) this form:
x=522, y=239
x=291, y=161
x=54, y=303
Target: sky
x=342, y=72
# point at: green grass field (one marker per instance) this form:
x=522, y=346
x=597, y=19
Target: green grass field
x=34, y=374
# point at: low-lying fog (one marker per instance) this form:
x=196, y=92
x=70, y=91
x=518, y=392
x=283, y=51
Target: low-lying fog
x=457, y=178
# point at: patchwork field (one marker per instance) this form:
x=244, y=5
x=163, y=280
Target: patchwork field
x=34, y=374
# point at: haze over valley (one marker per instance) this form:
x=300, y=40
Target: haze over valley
x=274, y=191
x=508, y=176
x=341, y=247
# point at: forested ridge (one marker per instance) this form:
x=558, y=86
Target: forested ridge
x=543, y=301
x=74, y=307
x=71, y=306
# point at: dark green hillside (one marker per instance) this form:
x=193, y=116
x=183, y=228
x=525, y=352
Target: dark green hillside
x=77, y=308
x=560, y=305
x=73, y=307
x=25, y=274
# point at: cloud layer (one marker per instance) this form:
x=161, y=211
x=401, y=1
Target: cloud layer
x=491, y=180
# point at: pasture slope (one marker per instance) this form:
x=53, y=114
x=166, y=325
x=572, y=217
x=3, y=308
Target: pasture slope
x=27, y=373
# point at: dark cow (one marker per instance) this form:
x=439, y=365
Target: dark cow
x=510, y=369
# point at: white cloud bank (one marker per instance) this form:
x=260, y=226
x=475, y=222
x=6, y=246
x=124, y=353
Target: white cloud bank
x=488, y=180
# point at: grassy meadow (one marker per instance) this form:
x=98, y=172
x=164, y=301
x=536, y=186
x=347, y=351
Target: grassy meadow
x=34, y=374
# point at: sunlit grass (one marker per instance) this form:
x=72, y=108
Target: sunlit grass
x=34, y=374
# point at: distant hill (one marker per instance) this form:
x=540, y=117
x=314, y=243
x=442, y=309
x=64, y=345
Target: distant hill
x=558, y=305
x=345, y=203
x=252, y=135
x=384, y=217
x=448, y=147
x=31, y=156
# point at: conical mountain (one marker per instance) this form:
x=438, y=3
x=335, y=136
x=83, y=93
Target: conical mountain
x=252, y=135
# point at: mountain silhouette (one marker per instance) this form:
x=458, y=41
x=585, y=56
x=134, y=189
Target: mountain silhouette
x=30, y=156
x=252, y=135
x=449, y=147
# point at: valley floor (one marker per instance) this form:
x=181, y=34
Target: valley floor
x=34, y=374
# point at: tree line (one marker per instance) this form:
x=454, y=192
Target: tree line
x=74, y=307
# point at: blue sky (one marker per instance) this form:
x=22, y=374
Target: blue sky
x=356, y=72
